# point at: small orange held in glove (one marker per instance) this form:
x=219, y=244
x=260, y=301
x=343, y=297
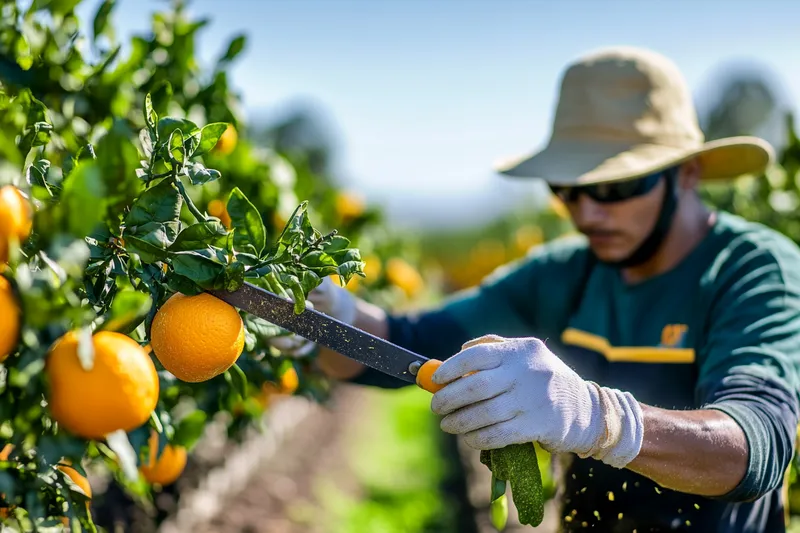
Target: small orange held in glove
x=167, y=467
x=197, y=337
x=118, y=393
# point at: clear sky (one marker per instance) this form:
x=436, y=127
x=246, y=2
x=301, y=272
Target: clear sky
x=426, y=94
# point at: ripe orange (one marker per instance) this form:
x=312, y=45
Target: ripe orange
x=372, y=268
x=425, y=374
x=350, y=205
x=217, y=208
x=287, y=384
x=197, y=337
x=12, y=318
x=169, y=465
x=118, y=393
x=227, y=141
x=403, y=275
x=16, y=218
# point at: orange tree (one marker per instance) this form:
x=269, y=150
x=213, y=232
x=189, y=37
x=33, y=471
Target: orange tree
x=106, y=256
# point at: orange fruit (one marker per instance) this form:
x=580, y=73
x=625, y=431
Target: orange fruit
x=287, y=384
x=118, y=393
x=349, y=205
x=425, y=373
x=403, y=275
x=227, y=141
x=16, y=218
x=197, y=337
x=168, y=466
x=372, y=268
x=12, y=319
x=217, y=208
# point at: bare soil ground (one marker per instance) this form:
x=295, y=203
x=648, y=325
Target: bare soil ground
x=280, y=495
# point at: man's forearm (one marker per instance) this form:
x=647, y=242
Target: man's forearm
x=369, y=318
x=701, y=452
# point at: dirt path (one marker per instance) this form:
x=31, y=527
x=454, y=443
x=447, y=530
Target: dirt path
x=280, y=496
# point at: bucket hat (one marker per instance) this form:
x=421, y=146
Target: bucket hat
x=625, y=112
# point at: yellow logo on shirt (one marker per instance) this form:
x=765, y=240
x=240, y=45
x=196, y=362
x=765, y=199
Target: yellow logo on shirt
x=673, y=334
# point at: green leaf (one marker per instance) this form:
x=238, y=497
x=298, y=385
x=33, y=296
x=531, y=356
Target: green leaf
x=198, y=268
x=101, y=18
x=167, y=125
x=337, y=244
x=309, y=281
x=321, y=263
x=201, y=235
x=150, y=116
x=249, y=230
x=159, y=203
x=350, y=268
x=149, y=253
x=199, y=174
x=159, y=234
x=176, y=151
x=234, y=49
x=118, y=159
x=190, y=429
x=36, y=174
x=298, y=295
x=57, y=7
x=261, y=327
x=83, y=198
x=37, y=135
x=209, y=135
x=234, y=276
x=182, y=284
x=128, y=310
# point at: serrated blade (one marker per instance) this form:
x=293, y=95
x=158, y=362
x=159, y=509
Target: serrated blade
x=324, y=330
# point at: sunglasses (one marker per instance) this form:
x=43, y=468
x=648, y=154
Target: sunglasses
x=605, y=193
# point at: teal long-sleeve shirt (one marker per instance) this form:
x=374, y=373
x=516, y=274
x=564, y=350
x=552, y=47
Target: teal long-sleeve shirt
x=721, y=330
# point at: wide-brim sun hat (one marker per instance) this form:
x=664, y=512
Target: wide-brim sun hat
x=625, y=112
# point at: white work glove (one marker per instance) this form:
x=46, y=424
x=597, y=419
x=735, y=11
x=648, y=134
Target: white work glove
x=522, y=392
x=292, y=345
x=334, y=301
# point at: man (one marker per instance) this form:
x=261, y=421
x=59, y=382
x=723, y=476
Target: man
x=658, y=350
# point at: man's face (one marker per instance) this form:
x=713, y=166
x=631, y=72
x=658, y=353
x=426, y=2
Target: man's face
x=616, y=229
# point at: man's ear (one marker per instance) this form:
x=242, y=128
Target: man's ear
x=689, y=175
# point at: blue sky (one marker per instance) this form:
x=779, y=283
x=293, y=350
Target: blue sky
x=425, y=95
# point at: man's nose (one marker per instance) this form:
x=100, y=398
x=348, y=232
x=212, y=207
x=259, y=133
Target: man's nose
x=587, y=211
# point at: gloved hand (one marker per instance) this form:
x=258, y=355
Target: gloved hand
x=522, y=392
x=292, y=345
x=334, y=301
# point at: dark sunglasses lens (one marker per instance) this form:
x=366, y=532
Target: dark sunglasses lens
x=615, y=192
x=609, y=192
